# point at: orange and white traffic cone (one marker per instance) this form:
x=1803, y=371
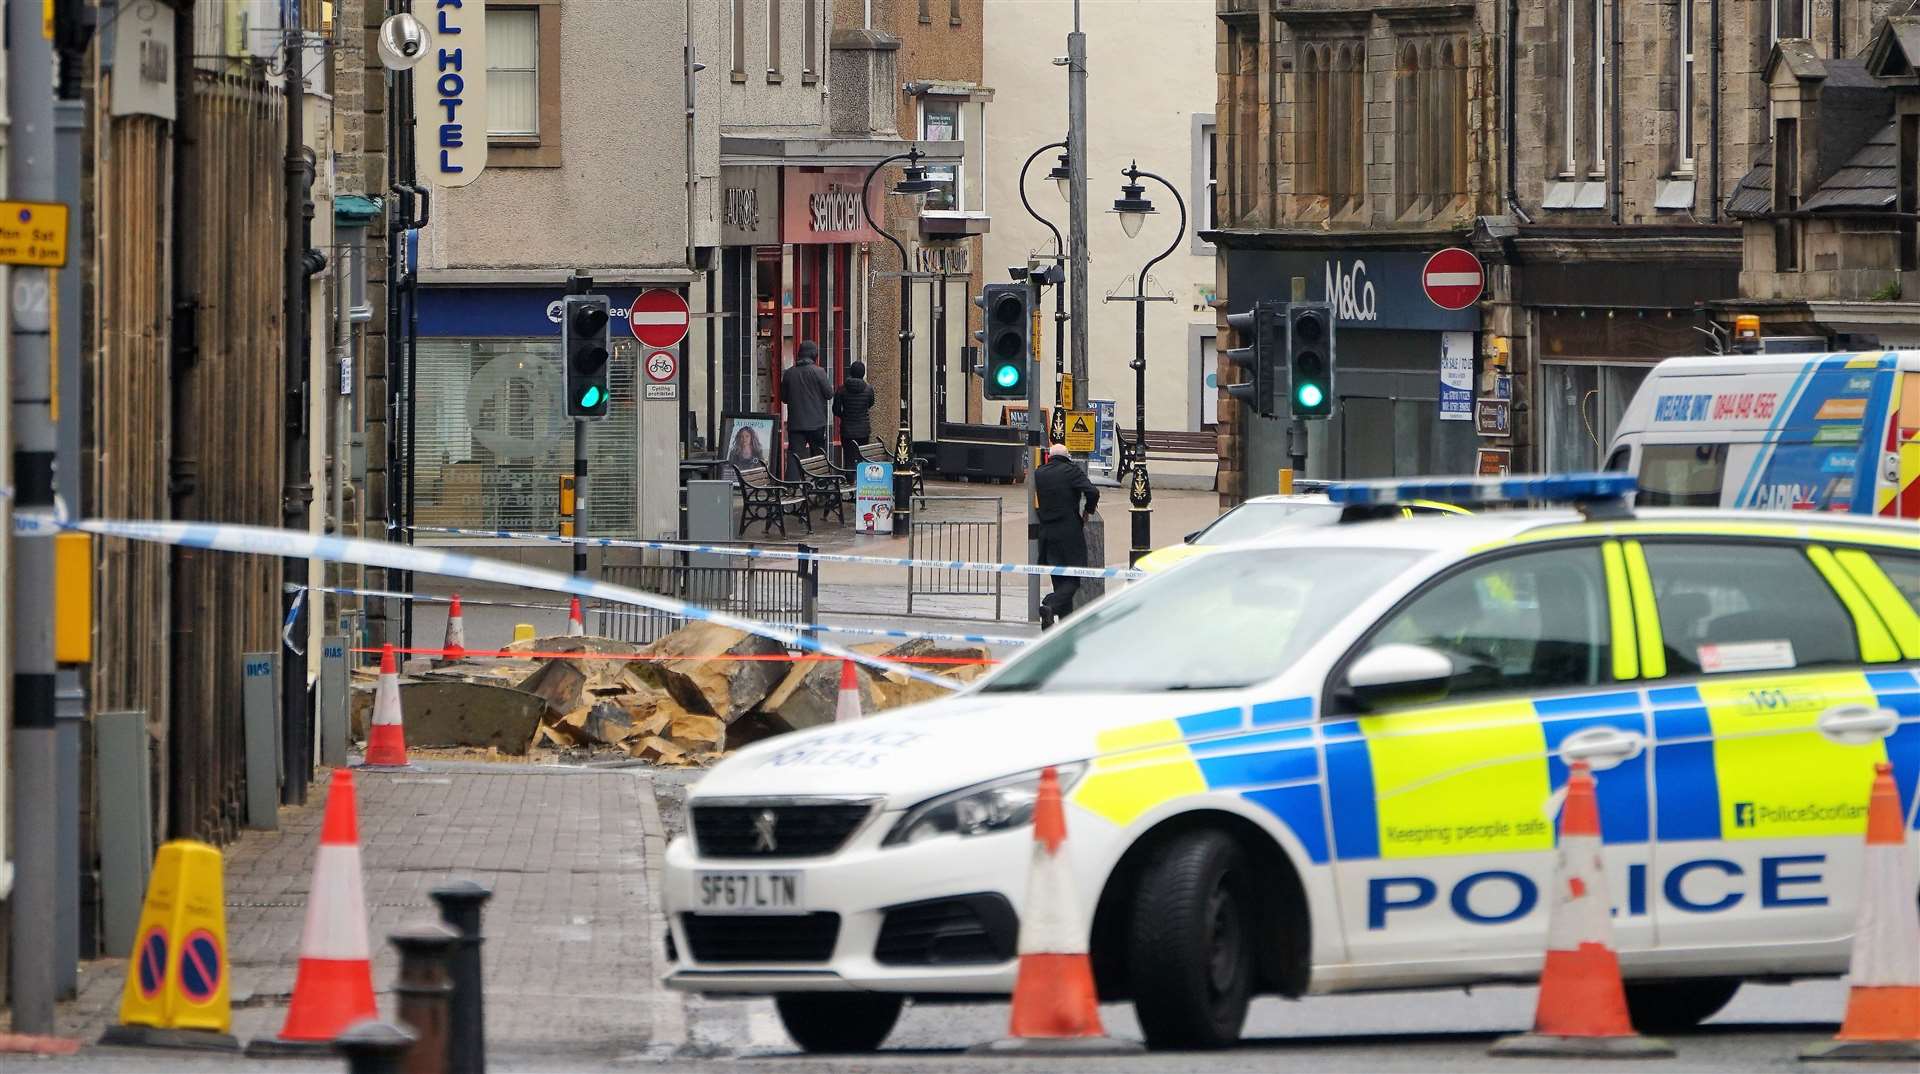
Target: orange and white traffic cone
x=456, y=644
x=1583, y=1003
x=333, y=988
x=846, y=708
x=387, y=735
x=576, y=626
x=1883, y=1003
x=1055, y=1008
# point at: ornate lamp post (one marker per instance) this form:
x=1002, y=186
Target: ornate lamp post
x=913, y=184
x=1133, y=209
x=1060, y=175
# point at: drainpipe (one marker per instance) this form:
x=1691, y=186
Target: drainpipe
x=1613, y=158
x=692, y=179
x=1507, y=106
x=1713, y=113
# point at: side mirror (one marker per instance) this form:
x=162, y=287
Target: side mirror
x=1188, y=539
x=1398, y=675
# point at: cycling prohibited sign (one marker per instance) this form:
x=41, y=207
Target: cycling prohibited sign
x=662, y=366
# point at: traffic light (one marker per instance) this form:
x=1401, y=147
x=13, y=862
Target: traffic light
x=1257, y=353
x=1310, y=360
x=1005, y=340
x=583, y=343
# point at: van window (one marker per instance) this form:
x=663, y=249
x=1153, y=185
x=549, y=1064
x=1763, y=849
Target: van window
x=1618, y=463
x=1681, y=475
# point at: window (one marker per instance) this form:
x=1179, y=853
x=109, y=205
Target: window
x=513, y=73
x=926, y=10
x=810, y=69
x=953, y=12
x=1260, y=518
x=1218, y=622
x=773, y=40
x=1583, y=87
x=1330, y=158
x=1581, y=406
x=1909, y=192
x=1790, y=18
x=1205, y=178
x=1681, y=475
x=1683, y=92
x=1430, y=117
x=1246, y=132
x=738, y=38
x=1786, y=194
x=1904, y=572
x=1745, y=607
x=940, y=122
x=1525, y=623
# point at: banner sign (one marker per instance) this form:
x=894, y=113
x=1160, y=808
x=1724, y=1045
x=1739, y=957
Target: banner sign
x=450, y=96
x=873, y=498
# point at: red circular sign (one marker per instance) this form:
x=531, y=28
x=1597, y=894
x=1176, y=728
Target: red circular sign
x=659, y=318
x=1453, y=278
x=662, y=366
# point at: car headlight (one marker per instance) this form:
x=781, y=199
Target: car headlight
x=985, y=807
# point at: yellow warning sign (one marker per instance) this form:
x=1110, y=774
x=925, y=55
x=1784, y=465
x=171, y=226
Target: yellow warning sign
x=177, y=975
x=1066, y=390
x=1080, y=429
x=33, y=233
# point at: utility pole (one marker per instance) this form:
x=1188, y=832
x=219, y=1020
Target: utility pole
x=1036, y=275
x=579, y=284
x=296, y=736
x=35, y=783
x=1077, y=199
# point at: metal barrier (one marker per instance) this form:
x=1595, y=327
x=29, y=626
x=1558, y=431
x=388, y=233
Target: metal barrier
x=776, y=591
x=955, y=528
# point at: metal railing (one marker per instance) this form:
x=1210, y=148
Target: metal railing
x=963, y=528
x=775, y=591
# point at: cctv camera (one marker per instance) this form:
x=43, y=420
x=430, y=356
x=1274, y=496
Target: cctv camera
x=403, y=42
x=1017, y=272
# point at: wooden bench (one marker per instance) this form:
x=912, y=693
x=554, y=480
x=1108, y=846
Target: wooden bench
x=875, y=451
x=769, y=501
x=826, y=486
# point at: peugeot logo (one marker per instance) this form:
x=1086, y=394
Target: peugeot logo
x=763, y=825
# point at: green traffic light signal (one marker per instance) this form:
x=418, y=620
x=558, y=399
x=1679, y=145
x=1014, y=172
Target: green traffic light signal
x=1310, y=395
x=591, y=397
x=1007, y=376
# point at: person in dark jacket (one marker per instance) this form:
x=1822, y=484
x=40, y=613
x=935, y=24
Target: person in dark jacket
x=853, y=405
x=806, y=390
x=1059, y=487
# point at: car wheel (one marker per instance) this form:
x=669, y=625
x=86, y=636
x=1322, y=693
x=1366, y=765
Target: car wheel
x=843, y=1022
x=1659, y=1007
x=1191, y=945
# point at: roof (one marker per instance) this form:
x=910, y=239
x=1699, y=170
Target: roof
x=1855, y=146
x=1868, y=180
x=1895, y=47
x=1455, y=536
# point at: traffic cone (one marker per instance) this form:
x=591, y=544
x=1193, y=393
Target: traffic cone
x=1883, y=1004
x=576, y=626
x=387, y=735
x=1055, y=1008
x=1583, y=1003
x=333, y=988
x=846, y=708
x=456, y=643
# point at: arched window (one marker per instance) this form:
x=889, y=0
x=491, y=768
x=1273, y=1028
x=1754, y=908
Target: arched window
x=1409, y=138
x=1309, y=122
x=1347, y=142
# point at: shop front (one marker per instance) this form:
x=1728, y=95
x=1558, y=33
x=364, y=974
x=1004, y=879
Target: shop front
x=1406, y=368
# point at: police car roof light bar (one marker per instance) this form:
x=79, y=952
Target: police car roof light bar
x=1596, y=494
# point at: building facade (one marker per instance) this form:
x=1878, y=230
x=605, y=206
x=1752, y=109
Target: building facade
x=1582, y=151
x=1166, y=125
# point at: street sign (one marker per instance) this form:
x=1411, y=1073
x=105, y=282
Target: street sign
x=1453, y=278
x=1081, y=427
x=33, y=233
x=662, y=366
x=1066, y=390
x=659, y=318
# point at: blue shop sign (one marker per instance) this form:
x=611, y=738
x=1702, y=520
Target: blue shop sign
x=1368, y=290
x=509, y=312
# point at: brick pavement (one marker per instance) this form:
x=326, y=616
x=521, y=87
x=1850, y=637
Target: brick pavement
x=572, y=938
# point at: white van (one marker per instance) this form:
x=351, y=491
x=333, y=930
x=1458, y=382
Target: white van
x=1808, y=432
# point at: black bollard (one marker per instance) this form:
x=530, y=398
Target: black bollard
x=373, y=1047
x=425, y=994
x=461, y=904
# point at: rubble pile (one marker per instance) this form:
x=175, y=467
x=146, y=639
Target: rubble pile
x=688, y=698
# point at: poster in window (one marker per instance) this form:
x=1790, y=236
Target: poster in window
x=749, y=440
x=1456, y=376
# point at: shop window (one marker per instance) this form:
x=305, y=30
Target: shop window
x=940, y=122
x=523, y=86
x=1581, y=406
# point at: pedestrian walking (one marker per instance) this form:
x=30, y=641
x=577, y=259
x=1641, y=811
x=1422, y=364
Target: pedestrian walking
x=853, y=405
x=805, y=390
x=1060, y=486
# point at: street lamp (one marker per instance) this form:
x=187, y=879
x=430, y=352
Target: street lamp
x=1060, y=174
x=1133, y=209
x=913, y=184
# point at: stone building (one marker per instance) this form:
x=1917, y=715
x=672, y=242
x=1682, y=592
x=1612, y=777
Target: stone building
x=1582, y=149
x=1827, y=252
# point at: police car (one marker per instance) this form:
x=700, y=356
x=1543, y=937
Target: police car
x=1262, y=515
x=1328, y=762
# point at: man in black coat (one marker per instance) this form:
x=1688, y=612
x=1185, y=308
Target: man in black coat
x=806, y=389
x=853, y=405
x=1060, y=486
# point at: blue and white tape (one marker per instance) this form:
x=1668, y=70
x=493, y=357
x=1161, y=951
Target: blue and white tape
x=295, y=544
x=825, y=628
x=1124, y=573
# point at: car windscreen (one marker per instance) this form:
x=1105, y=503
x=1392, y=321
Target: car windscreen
x=1219, y=622
x=1250, y=520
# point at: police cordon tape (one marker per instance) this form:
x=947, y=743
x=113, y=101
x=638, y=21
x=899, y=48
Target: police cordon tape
x=1123, y=573
x=824, y=628
x=642, y=657
x=292, y=544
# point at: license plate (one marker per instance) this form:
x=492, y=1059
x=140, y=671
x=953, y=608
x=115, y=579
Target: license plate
x=750, y=893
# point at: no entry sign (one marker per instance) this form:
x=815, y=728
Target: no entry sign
x=659, y=318
x=1453, y=278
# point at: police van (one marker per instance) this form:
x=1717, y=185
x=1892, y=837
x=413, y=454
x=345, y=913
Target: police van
x=1328, y=761
x=1825, y=432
